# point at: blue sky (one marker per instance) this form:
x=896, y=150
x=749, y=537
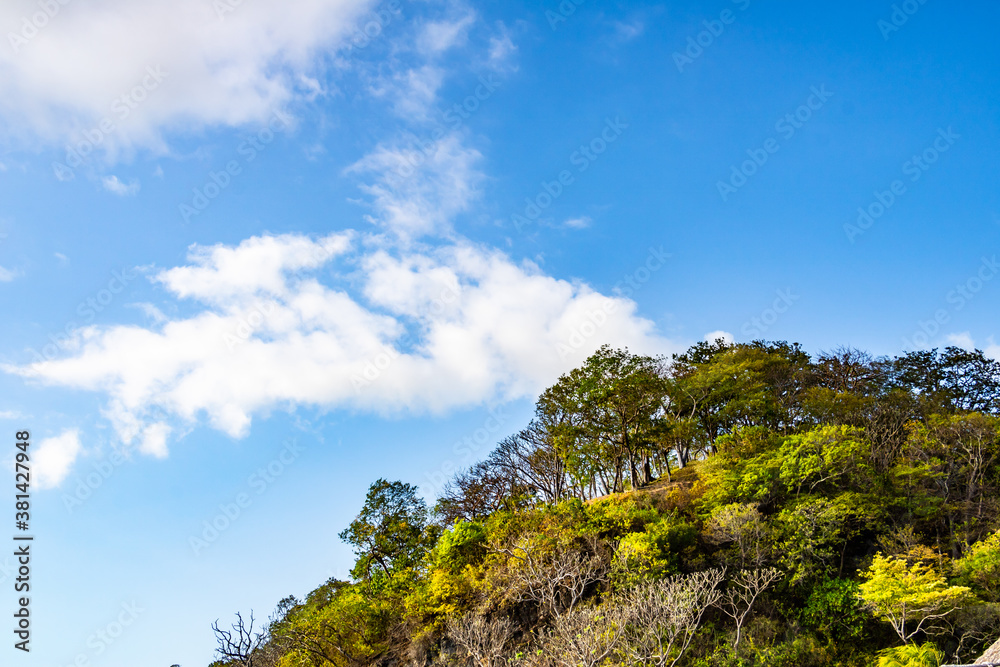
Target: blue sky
x=252, y=260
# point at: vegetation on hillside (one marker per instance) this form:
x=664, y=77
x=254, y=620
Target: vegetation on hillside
x=733, y=505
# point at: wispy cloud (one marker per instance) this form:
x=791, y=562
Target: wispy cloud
x=439, y=36
x=420, y=186
x=412, y=92
x=114, y=185
x=962, y=340
x=502, y=51
x=627, y=31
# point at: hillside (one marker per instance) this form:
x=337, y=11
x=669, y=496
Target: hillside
x=733, y=505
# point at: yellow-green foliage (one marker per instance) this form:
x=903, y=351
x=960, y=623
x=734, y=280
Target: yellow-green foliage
x=444, y=593
x=980, y=568
x=653, y=553
x=911, y=655
x=620, y=514
x=824, y=455
x=350, y=628
x=454, y=575
x=910, y=597
x=745, y=470
x=464, y=544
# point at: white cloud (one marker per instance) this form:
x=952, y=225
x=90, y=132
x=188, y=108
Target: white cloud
x=150, y=311
x=578, y=223
x=259, y=266
x=962, y=340
x=154, y=440
x=413, y=92
x=6, y=275
x=53, y=458
x=420, y=187
x=426, y=331
x=210, y=67
x=114, y=185
x=502, y=50
x=965, y=341
x=626, y=32
x=713, y=336
x=439, y=36
x=10, y=415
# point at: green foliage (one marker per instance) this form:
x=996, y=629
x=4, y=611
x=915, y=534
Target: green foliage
x=351, y=627
x=979, y=568
x=390, y=531
x=834, y=609
x=619, y=514
x=827, y=456
x=464, y=544
x=654, y=552
x=926, y=655
x=816, y=532
x=746, y=470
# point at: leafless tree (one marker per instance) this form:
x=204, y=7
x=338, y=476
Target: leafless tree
x=557, y=582
x=240, y=645
x=979, y=626
x=474, y=494
x=663, y=616
x=531, y=458
x=886, y=428
x=484, y=639
x=587, y=636
x=742, y=592
x=849, y=370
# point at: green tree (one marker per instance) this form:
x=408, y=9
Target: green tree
x=342, y=625
x=954, y=380
x=834, y=608
x=913, y=599
x=757, y=384
x=824, y=456
x=390, y=533
x=606, y=412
